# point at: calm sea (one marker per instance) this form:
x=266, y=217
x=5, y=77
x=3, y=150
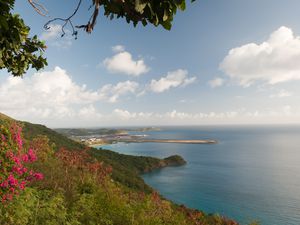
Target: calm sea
x=253, y=173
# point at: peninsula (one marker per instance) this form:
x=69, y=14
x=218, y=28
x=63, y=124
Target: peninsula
x=104, y=136
x=174, y=141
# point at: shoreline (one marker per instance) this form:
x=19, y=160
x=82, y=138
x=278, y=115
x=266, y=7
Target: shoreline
x=170, y=141
x=173, y=141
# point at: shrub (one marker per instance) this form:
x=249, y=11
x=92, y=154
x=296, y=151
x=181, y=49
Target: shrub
x=14, y=159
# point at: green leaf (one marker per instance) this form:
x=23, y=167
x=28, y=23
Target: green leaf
x=167, y=25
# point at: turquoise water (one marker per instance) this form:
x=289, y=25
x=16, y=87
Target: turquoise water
x=253, y=173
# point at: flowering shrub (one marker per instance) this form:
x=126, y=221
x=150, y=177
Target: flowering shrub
x=83, y=163
x=14, y=175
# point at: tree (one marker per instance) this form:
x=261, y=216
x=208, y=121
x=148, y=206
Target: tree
x=145, y=11
x=19, y=52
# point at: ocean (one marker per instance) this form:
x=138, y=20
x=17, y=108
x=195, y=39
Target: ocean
x=252, y=174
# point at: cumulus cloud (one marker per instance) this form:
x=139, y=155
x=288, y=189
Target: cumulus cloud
x=89, y=113
x=282, y=94
x=281, y=115
x=216, y=82
x=273, y=61
x=177, y=78
x=112, y=92
x=126, y=115
x=53, y=36
x=122, y=62
x=52, y=95
x=118, y=48
x=287, y=110
x=43, y=89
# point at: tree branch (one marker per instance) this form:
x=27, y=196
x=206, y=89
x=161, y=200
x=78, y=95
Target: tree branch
x=39, y=8
x=66, y=21
x=92, y=22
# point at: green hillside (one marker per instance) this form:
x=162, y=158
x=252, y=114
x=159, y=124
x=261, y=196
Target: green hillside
x=126, y=168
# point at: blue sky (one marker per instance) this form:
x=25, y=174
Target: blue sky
x=223, y=62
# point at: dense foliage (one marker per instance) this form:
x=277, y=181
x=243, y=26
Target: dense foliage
x=18, y=51
x=14, y=158
x=135, y=11
x=59, y=141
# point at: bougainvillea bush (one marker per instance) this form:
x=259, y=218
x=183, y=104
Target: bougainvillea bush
x=14, y=161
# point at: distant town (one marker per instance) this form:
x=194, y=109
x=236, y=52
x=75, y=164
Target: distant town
x=110, y=139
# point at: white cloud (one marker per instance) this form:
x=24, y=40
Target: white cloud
x=52, y=33
x=274, y=61
x=118, y=48
x=287, y=110
x=89, y=113
x=49, y=88
x=216, y=82
x=282, y=94
x=53, y=36
x=112, y=92
x=53, y=96
x=173, y=79
x=122, y=62
x=283, y=114
x=184, y=101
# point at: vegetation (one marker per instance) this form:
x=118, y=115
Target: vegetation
x=14, y=173
x=18, y=51
x=79, y=188
x=59, y=141
x=126, y=167
x=135, y=11
x=75, y=132
x=69, y=132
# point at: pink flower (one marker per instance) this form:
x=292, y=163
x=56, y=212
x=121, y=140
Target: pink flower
x=19, y=170
x=17, y=136
x=38, y=176
x=12, y=181
x=31, y=155
x=16, y=160
x=4, y=184
x=14, y=176
x=25, y=158
x=22, y=185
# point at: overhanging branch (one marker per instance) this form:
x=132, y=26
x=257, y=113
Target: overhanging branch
x=39, y=8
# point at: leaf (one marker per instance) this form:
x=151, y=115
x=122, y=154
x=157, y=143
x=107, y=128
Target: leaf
x=182, y=6
x=166, y=16
x=140, y=6
x=167, y=25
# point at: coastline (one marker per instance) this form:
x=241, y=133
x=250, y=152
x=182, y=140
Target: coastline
x=173, y=141
x=170, y=141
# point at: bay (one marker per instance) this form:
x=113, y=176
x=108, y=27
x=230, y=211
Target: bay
x=253, y=173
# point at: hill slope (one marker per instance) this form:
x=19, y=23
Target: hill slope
x=126, y=168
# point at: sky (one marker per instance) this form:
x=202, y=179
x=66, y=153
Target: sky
x=223, y=62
